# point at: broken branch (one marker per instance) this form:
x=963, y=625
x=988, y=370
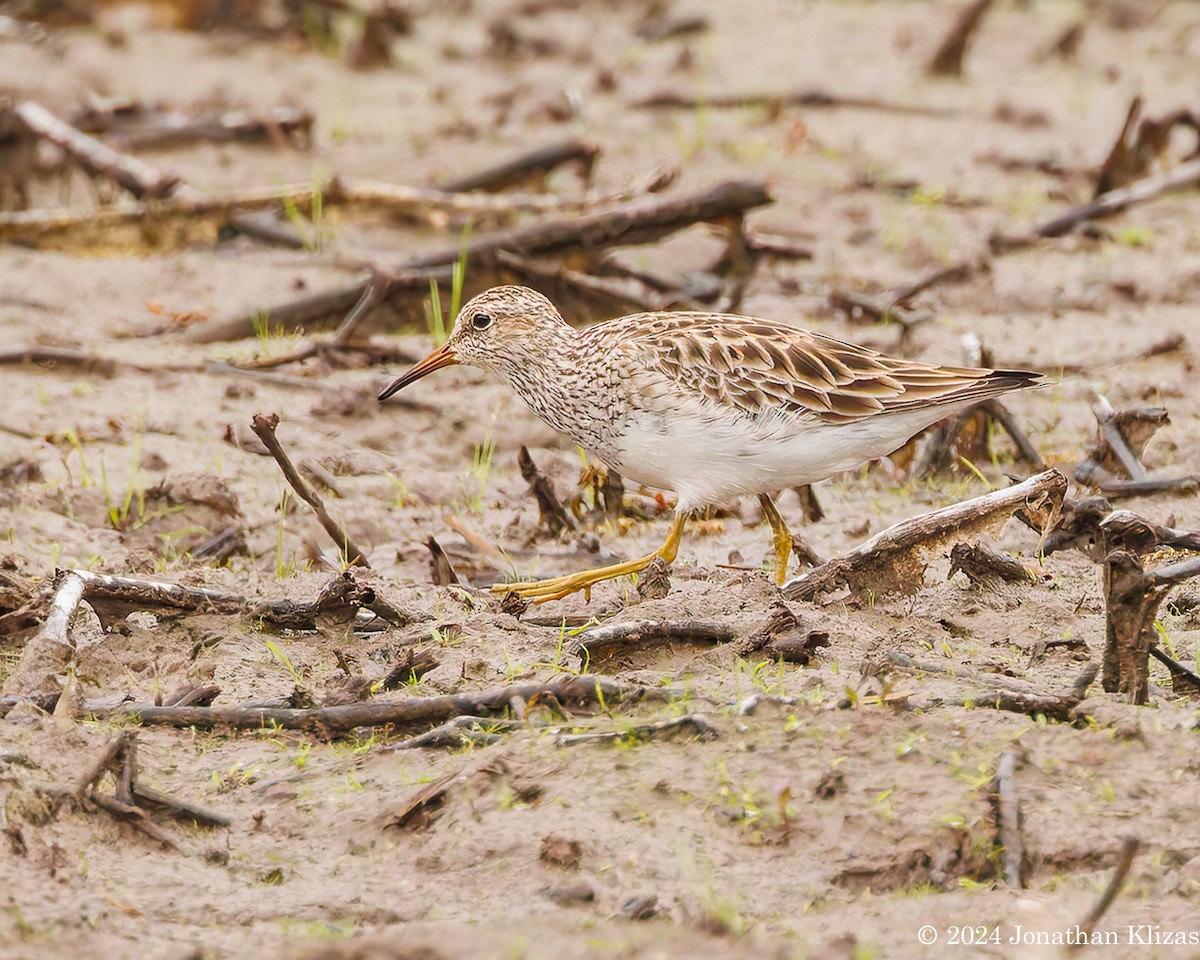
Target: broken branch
x=264, y=428
x=581, y=689
x=891, y=562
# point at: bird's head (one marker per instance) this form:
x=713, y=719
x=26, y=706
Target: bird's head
x=497, y=330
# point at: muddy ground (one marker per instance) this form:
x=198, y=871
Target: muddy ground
x=830, y=820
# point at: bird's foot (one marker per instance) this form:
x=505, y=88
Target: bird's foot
x=555, y=588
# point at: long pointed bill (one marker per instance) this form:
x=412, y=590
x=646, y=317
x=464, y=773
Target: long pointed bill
x=435, y=361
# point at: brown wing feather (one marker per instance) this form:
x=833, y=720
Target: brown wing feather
x=756, y=366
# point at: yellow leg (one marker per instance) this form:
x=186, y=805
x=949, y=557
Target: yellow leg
x=539, y=591
x=783, y=538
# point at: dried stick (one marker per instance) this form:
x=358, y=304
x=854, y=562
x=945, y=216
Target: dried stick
x=550, y=510
x=441, y=570
x=1183, y=681
x=947, y=61
x=1185, y=174
x=189, y=215
x=983, y=565
x=52, y=649
x=264, y=428
x=1129, y=850
x=889, y=561
x=1053, y=706
x=135, y=817
x=689, y=724
x=459, y=731
x=533, y=165
x=581, y=689
x=181, y=809
x=69, y=590
x=812, y=99
x=342, y=595
x=1009, y=836
x=97, y=158
x=107, y=757
x=303, y=313
x=372, y=295
x=1132, y=597
x=642, y=221
x=45, y=656
x=153, y=128
x=1025, y=448
x=598, y=643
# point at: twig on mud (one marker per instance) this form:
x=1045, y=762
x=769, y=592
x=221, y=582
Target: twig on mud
x=607, y=640
x=642, y=221
x=135, y=817
x=551, y=512
x=1185, y=174
x=1129, y=850
x=1183, y=681
x=811, y=99
x=303, y=313
x=581, y=689
x=1058, y=707
x=264, y=427
x=1118, y=449
x=418, y=809
x=947, y=60
x=1025, y=448
x=411, y=666
x=188, y=215
x=105, y=760
x=193, y=695
x=67, y=597
x=480, y=731
x=985, y=566
x=374, y=293
x=52, y=649
x=1140, y=146
x=97, y=158
x=857, y=306
x=142, y=126
x=121, y=751
x=180, y=809
x=1132, y=596
x=50, y=652
x=533, y=165
x=1093, y=527
x=1186, y=485
x=891, y=560
x=810, y=506
x=689, y=724
x=1113, y=444
x=441, y=570
x=1009, y=836
x=782, y=636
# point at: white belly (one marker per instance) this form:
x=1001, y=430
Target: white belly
x=705, y=459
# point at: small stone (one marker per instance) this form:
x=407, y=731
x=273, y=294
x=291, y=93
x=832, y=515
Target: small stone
x=561, y=851
x=569, y=895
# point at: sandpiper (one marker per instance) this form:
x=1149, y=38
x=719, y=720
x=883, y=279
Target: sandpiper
x=711, y=406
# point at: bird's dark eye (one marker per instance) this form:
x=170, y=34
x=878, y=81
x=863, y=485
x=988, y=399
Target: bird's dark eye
x=481, y=321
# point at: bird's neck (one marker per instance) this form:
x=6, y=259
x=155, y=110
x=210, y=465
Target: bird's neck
x=552, y=378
